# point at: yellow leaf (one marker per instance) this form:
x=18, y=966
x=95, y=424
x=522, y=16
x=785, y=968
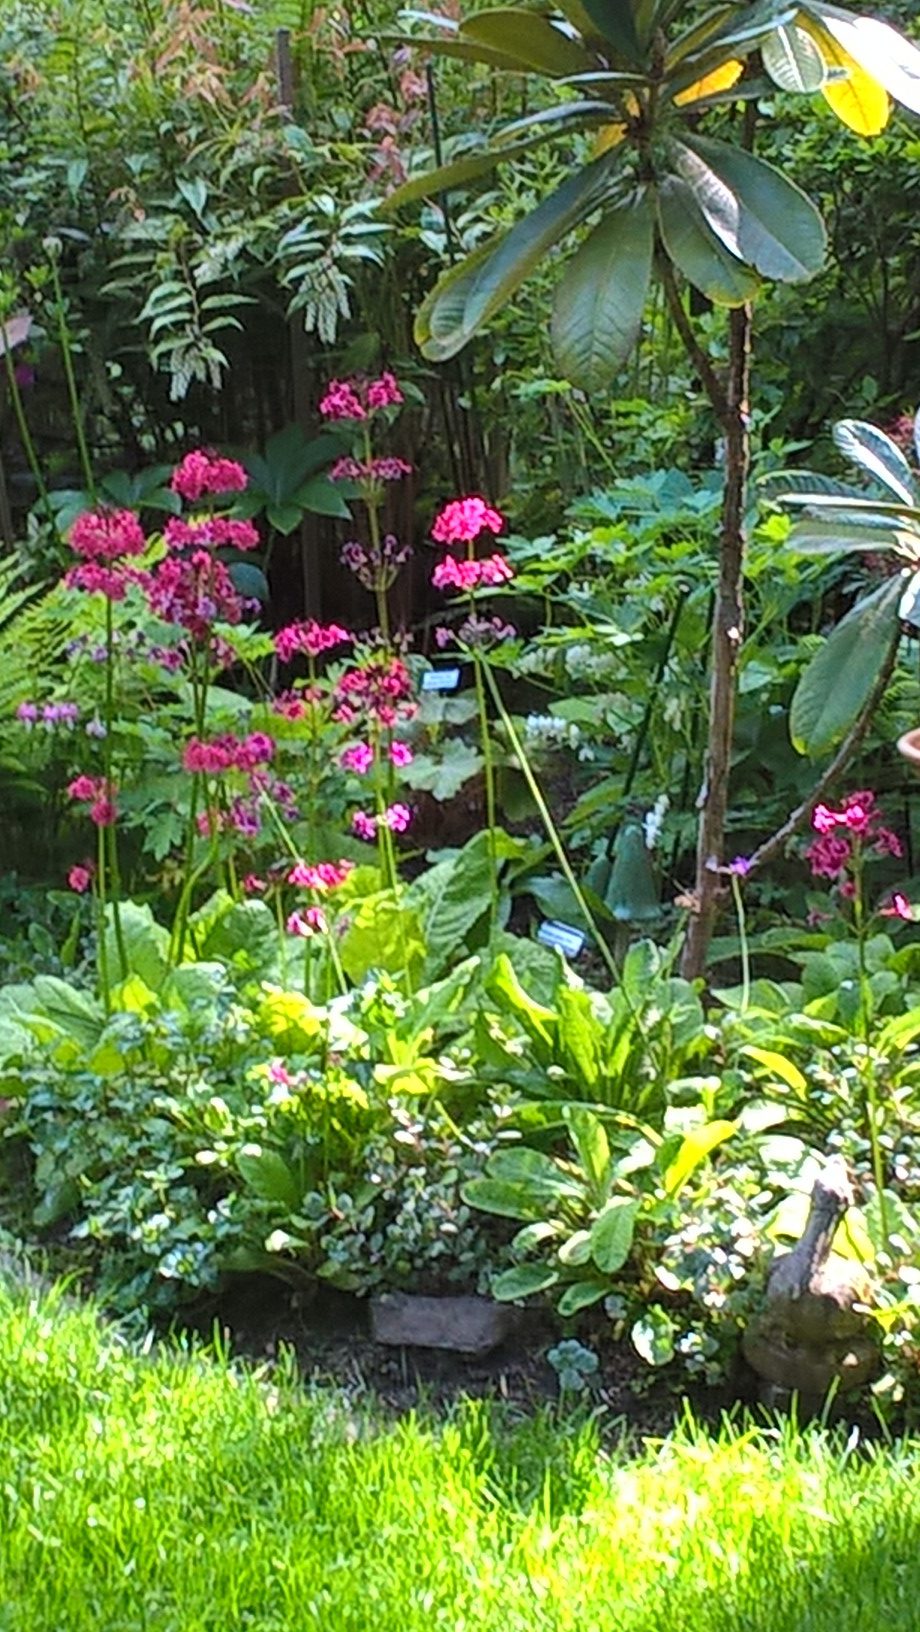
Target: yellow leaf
x=607, y=137
x=858, y=100
x=721, y=79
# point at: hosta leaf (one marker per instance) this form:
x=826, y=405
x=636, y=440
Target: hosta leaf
x=612, y=1233
x=756, y=211
x=467, y=295
x=523, y=1281
x=879, y=49
x=696, y=251
x=792, y=60
x=532, y=40
x=858, y=100
x=597, y=313
x=505, y=1197
x=720, y=79
x=869, y=447
x=581, y=1296
x=840, y=676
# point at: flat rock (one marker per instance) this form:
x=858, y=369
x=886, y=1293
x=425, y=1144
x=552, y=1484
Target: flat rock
x=465, y=1325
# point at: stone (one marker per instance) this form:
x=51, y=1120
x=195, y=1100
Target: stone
x=464, y=1325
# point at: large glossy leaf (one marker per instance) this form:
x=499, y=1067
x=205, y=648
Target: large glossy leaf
x=819, y=535
x=447, y=45
x=720, y=79
x=858, y=100
x=523, y=1281
x=879, y=49
x=467, y=296
x=590, y=1140
x=566, y=116
x=808, y=483
x=532, y=39
x=696, y=251
x=756, y=211
x=597, y=313
x=694, y=1148
x=840, y=677
x=615, y=21
x=792, y=60
x=869, y=447
x=727, y=31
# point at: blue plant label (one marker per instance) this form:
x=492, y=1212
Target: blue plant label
x=440, y=679
x=564, y=937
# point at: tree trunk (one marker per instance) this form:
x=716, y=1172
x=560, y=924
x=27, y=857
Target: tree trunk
x=727, y=634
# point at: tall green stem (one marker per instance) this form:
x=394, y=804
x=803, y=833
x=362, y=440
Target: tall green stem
x=865, y=1028
x=72, y=392
x=552, y=831
x=479, y=664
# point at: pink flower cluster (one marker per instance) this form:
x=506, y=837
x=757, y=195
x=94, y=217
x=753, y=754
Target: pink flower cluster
x=307, y=923
x=227, y=753
x=210, y=532
x=81, y=877
x=107, y=535
x=357, y=398
x=378, y=690
x=360, y=757
x=858, y=819
x=470, y=575
x=385, y=468
x=99, y=794
x=310, y=637
x=321, y=876
x=205, y=472
x=462, y=520
x=112, y=582
x=396, y=817
x=195, y=592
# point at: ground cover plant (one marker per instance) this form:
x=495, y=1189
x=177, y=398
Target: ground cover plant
x=184, y=1491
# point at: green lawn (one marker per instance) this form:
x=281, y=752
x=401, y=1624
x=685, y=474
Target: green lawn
x=174, y=1493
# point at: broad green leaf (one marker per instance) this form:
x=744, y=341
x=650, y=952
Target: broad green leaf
x=597, y=312
x=840, y=676
x=145, y=942
x=268, y=1175
x=505, y=1197
x=581, y=1035
x=561, y=118
x=695, y=1147
x=452, y=896
x=75, y=1013
x=869, y=447
x=532, y=40
x=589, y=1137
x=814, y=535
x=245, y=937
x=612, y=1233
x=447, y=45
x=756, y=211
x=632, y=893
x=467, y=296
x=581, y=1296
x=615, y=21
x=879, y=49
x=480, y=162
x=897, y=1033
x=502, y=984
x=696, y=251
x=323, y=498
x=792, y=60
x=250, y=581
x=532, y=1168
x=728, y=31
x=383, y=935
x=523, y=1281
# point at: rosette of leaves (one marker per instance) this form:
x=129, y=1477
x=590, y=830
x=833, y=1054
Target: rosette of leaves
x=586, y=1214
x=638, y=78
x=881, y=519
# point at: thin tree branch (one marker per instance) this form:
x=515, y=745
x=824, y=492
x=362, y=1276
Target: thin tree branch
x=712, y=385
x=774, y=844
